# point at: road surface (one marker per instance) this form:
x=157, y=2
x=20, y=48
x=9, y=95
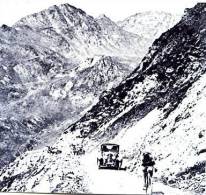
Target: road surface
x=106, y=181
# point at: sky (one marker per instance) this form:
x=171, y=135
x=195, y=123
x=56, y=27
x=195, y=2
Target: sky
x=13, y=10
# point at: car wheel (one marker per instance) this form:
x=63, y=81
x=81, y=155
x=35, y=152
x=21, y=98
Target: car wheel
x=117, y=165
x=100, y=163
x=120, y=164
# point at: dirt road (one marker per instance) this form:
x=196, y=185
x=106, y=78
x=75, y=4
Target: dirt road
x=105, y=181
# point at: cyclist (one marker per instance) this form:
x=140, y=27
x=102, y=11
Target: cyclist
x=148, y=164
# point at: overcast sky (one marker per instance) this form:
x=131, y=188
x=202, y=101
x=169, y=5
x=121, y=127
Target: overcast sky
x=13, y=10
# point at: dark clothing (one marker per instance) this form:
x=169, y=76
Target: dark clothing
x=147, y=161
x=146, y=171
x=148, y=164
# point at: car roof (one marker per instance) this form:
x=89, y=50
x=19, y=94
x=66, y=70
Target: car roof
x=109, y=144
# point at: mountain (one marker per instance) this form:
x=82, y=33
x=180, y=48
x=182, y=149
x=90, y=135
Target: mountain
x=101, y=72
x=44, y=82
x=149, y=25
x=170, y=79
x=159, y=107
x=79, y=34
x=39, y=54
x=31, y=112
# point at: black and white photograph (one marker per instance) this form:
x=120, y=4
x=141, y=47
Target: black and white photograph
x=103, y=97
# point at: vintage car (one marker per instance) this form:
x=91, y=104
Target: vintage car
x=109, y=157
x=77, y=149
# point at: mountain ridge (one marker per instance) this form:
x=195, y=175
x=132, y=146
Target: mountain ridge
x=41, y=56
x=167, y=86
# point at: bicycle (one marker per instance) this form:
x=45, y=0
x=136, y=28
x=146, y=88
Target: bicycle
x=148, y=172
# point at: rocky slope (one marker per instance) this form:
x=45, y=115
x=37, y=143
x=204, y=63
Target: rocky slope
x=161, y=103
x=54, y=65
x=49, y=170
x=166, y=80
x=32, y=112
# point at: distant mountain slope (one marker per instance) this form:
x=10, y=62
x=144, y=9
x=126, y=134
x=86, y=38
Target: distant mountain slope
x=80, y=34
x=31, y=112
x=149, y=25
x=38, y=56
x=42, y=82
x=102, y=72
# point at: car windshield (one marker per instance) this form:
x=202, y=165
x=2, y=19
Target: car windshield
x=113, y=148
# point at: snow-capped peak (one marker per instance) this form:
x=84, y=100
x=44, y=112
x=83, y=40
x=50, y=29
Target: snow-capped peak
x=154, y=22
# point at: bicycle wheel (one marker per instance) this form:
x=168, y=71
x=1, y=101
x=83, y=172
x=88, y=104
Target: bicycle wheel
x=147, y=183
x=149, y=180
